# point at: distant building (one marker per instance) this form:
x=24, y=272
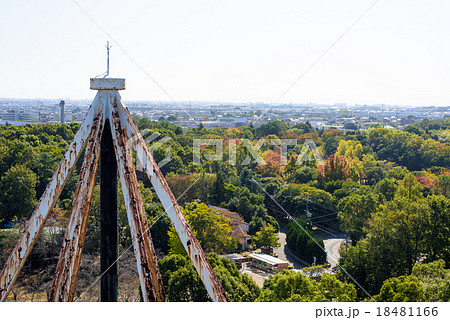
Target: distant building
x=10, y=115
x=26, y=116
x=186, y=124
x=406, y=121
x=227, y=123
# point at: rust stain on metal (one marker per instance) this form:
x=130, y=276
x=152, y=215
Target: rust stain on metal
x=194, y=250
x=122, y=127
x=149, y=276
x=64, y=282
x=35, y=224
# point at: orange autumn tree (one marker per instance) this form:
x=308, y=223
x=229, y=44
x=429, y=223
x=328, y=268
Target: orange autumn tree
x=274, y=163
x=340, y=167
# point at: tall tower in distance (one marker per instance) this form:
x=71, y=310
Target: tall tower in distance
x=61, y=104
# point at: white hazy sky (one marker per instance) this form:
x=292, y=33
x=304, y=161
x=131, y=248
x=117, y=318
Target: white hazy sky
x=398, y=53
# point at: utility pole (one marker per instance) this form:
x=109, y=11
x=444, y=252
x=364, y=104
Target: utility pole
x=307, y=213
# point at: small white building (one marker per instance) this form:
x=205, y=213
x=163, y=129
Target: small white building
x=268, y=263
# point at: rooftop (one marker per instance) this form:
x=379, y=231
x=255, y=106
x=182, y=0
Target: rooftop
x=233, y=256
x=267, y=258
x=233, y=216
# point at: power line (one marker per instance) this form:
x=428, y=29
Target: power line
x=315, y=241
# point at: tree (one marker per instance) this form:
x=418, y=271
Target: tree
x=397, y=173
x=46, y=165
x=259, y=218
x=182, y=282
x=304, y=127
x=394, y=243
x=238, y=286
x=355, y=211
x=295, y=286
x=401, y=233
x=219, y=189
x=210, y=227
x=331, y=141
x=304, y=244
x=267, y=237
x=357, y=262
x=396, y=235
x=428, y=282
x=336, y=168
x=436, y=229
x=242, y=201
x=273, y=127
x=8, y=239
x=409, y=188
x=16, y=152
x=245, y=177
x=17, y=193
x=273, y=164
x=443, y=185
x=387, y=187
x=350, y=148
x=290, y=168
x=401, y=289
x=434, y=279
x=180, y=279
x=293, y=198
x=159, y=224
x=335, y=290
x=373, y=171
x=305, y=175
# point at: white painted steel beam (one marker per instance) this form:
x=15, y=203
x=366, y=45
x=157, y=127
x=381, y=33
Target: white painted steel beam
x=34, y=225
x=187, y=237
x=123, y=128
x=65, y=279
x=147, y=263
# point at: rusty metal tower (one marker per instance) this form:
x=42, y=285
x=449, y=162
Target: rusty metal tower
x=107, y=132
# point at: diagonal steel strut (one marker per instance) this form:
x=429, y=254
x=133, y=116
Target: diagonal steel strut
x=187, y=237
x=34, y=225
x=108, y=106
x=65, y=278
x=147, y=263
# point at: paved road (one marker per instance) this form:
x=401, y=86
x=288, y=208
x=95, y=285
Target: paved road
x=332, y=245
x=282, y=252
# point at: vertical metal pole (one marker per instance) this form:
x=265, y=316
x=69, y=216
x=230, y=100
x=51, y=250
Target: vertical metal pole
x=108, y=218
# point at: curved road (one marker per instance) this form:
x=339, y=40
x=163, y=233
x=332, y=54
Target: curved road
x=332, y=245
x=284, y=254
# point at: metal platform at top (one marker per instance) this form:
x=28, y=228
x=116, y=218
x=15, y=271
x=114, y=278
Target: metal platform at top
x=107, y=84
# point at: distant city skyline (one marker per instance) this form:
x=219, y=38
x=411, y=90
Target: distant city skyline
x=395, y=53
